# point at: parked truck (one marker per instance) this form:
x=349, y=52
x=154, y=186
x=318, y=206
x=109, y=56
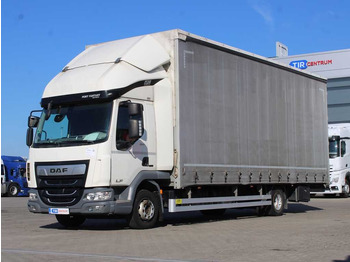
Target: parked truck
x=339, y=160
x=13, y=176
x=174, y=121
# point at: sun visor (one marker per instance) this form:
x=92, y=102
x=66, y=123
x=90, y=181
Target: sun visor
x=147, y=54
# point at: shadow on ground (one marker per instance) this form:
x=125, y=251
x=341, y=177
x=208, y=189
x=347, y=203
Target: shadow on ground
x=179, y=219
x=345, y=260
x=300, y=208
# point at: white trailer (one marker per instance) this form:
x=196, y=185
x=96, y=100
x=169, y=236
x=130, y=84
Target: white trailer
x=175, y=121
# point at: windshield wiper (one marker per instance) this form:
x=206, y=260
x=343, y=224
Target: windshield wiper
x=67, y=142
x=48, y=142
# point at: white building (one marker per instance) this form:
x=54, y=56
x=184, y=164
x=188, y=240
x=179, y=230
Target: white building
x=335, y=66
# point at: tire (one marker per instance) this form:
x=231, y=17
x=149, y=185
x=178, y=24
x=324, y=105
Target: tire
x=70, y=221
x=346, y=189
x=278, y=201
x=145, y=212
x=261, y=211
x=213, y=212
x=13, y=190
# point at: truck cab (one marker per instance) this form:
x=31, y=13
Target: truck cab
x=13, y=178
x=95, y=144
x=339, y=159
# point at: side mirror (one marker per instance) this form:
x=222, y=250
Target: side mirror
x=135, y=128
x=135, y=109
x=33, y=121
x=335, y=138
x=136, y=120
x=343, y=148
x=29, y=139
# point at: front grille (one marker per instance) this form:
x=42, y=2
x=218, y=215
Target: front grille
x=61, y=190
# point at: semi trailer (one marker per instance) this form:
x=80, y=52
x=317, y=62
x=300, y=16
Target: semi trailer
x=175, y=122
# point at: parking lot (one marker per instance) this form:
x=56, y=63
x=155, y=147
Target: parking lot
x=315, y=231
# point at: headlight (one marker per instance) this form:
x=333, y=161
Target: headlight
x=335, y=179
x=33, y=196
x=99, y=196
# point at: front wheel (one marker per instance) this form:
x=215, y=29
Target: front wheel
x=70, y=220
x=278, y=201
x=346, y=189
x=145, y=211
x=13, y=190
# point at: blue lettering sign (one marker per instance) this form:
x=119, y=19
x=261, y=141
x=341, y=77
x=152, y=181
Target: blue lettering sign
x=301, y=64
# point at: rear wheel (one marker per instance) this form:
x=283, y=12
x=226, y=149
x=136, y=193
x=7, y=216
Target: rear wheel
x=70, y=220
x=13, y=190
x=278, y=201
x=145, y=211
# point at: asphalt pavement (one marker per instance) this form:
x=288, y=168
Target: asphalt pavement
x=314, y=231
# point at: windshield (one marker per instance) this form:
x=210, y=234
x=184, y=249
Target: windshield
x=74, y=125
x=333, y=148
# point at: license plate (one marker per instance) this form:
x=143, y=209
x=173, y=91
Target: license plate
x=59, y=211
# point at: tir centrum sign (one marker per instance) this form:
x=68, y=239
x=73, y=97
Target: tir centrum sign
x=303, y=64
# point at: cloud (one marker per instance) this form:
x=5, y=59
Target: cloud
x=264, y=10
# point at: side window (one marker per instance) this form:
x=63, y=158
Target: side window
x=123, y=140
x=343, y=148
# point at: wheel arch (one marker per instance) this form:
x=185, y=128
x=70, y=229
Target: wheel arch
x=347, y=176
x=144, y=180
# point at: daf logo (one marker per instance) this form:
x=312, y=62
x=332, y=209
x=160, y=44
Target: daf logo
x=58, y=170
x=62, y=170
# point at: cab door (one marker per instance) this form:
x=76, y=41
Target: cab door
x=132, y=155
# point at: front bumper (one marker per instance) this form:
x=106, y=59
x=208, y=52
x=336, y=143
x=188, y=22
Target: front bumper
x=84, y=206
x=334, y=188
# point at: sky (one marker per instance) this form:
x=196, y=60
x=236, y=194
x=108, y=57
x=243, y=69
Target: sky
x=38, y=38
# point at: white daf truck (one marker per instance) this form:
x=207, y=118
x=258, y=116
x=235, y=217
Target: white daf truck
x=173, y=121
x=339, y=159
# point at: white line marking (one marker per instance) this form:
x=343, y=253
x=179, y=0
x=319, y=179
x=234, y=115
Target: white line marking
x=22, y=251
